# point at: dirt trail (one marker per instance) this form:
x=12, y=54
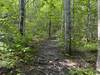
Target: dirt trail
x=49, y=61
x=50, y=51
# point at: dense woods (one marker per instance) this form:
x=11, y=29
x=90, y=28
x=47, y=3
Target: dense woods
x=32, y=29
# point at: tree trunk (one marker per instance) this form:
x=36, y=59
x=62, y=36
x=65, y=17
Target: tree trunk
x=50, y=28
x=98, y=58
x=88, y=32
x=22, y=16
x=50, y=19
x=67, y=24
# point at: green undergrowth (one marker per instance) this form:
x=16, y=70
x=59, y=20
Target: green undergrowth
x=17, y=49
x=82, y=71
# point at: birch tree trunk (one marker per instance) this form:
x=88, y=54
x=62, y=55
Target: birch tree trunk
x=22, y=16
x=98, y=57
x=67, y=25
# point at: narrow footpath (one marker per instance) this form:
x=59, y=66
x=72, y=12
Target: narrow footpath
x=50, y=60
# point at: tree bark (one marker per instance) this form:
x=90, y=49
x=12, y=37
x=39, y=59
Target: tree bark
x=67, y=24
x=50, y=28
x=22, y=16
x=89, y=22
x=98, y=57
x=69, y=27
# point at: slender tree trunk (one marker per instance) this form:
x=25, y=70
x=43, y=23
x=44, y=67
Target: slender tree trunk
x=22, y=16
x=50, y=18
x=98, y=58
x=88, y=28
x=73, y=12
x=50, y=28
x=67, y=23
x=69, y=26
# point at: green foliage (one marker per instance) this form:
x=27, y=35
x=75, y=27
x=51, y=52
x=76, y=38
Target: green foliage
x=15, y=48
x=82, y=35
x=81, y=71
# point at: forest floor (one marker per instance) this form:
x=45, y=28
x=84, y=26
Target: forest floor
x=51, y=61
